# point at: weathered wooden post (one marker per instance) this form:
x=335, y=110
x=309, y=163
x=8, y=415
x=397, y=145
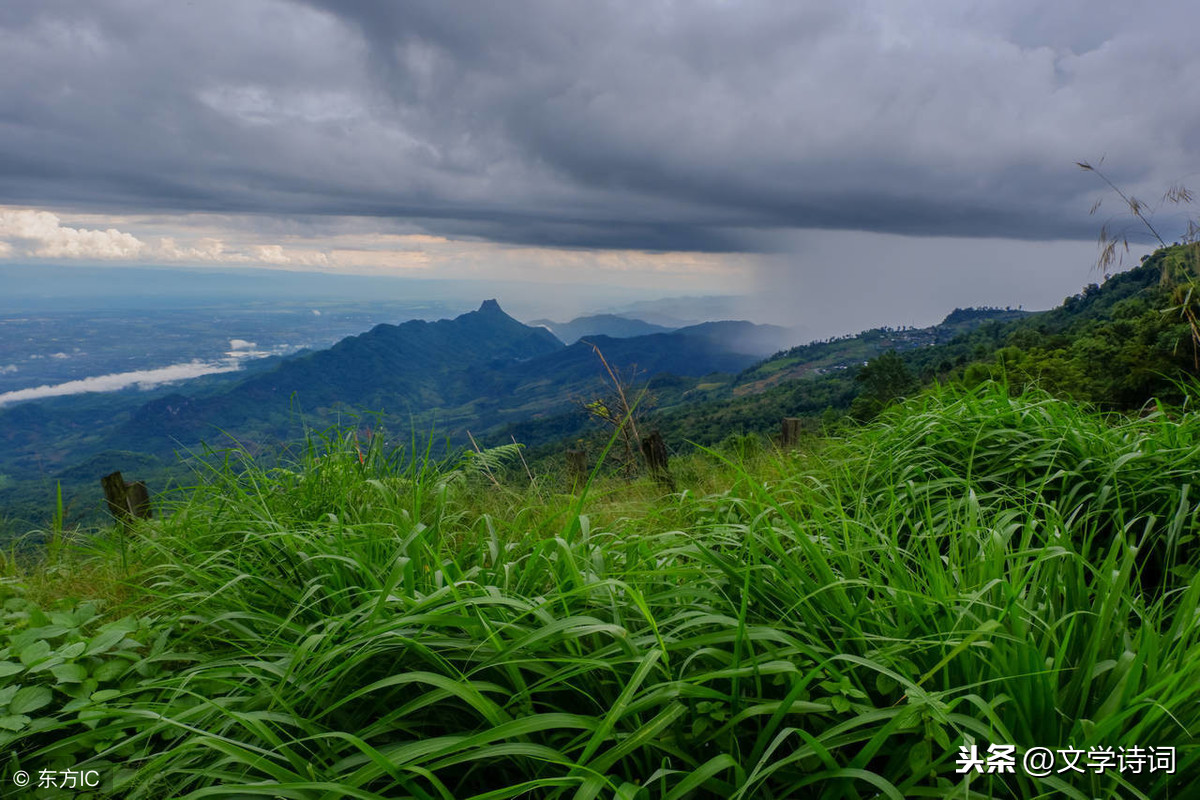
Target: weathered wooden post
x=655, y=451
x=790, y=433
x=117, y=495
x=139, y=500
x=126, y=502
x=577, y=467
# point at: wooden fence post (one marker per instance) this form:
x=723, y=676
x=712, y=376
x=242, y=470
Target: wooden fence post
x=577, y=467
x=655, y=451
x=126, y=502
x=790, y=434
x=139, y=500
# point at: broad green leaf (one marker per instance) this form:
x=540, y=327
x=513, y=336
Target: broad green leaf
x=69, y=673
x=45, y=664
x=105, y=641
x=38, y=651
x=49, y=631
x=73, y=650
x=110, y=670
x=92, y=716
x=75, y=705
x=31, y=698
x=919, y=756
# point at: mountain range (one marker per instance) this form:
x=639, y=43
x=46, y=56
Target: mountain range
x=617, y=327
x=487, y=373
x=479, y=371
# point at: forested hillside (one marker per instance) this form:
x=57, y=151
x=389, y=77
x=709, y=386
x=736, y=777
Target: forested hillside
x=991, y=561
x=441, y=379
x=1117, y=345
x=841, y=618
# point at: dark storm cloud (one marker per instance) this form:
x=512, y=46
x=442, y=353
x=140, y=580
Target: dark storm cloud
x=633, y=124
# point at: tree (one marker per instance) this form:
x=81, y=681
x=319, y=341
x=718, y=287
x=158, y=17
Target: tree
x=884, y=379
x=1179, y=269
x=617, y=412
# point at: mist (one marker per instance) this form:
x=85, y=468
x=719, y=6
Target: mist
x=831, y=283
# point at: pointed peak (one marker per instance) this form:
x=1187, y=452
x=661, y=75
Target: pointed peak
x=491, y=306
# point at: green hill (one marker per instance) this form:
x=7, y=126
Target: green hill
x=479, y=371
x=403, y=368
x=1111, y=345
x=1117, y=345
x=839, y=621
x=850, y=352
x=986, y=564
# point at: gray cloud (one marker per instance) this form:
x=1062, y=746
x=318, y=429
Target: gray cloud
x=624, y=124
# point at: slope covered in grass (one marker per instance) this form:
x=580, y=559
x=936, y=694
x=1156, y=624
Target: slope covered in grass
x=830, y=623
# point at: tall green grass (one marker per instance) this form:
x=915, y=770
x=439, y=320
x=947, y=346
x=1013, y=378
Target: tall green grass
x=974, y=568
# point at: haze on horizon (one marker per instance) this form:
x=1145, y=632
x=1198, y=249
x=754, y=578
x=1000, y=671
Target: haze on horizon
x=844, y=165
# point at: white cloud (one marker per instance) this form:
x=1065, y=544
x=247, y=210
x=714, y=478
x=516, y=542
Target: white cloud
x=278, y=254
x=59, y=355
x=8, y=369
x=365, y=246
x=142, y=379
x=271, y=254
x=241, y=349
x=206, y=249
x=33, y=233
x=41, y=234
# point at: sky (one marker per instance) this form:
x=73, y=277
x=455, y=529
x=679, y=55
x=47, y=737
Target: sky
x=839, y=164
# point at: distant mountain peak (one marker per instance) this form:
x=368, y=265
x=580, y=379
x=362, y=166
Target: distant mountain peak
x=599, y=325
x=491, y=307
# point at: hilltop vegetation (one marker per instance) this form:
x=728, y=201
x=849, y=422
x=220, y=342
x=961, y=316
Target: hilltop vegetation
x=1117, y=346
x=986, y=562
x=849, y=352
x=477, y=372
x=1111, y=345
x=833, y=622
x=503, y=381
